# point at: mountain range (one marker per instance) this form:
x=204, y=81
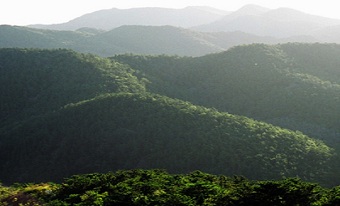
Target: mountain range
x=127, y=39
x=252, y=19
x=113, y=18
x=268, y=83
x=281, y=22
x=141, y=35
x=135, y=39
x=194, y=89
x=65, y=113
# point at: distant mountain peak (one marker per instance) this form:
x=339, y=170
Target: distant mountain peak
x=252, y=9
x=156, y=16
x=287, y=11
x=208, y=9
x=290, y=15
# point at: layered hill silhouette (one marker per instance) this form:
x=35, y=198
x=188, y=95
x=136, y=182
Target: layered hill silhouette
x=127, y=39
x=34, y=86
x=67, y=113
x=292, y=85
x=153, y=16
x=281, y=22
x=252, y=19
x=134, y=39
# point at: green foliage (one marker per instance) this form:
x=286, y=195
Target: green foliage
x=5, y=192
x=333, y=196
x=26, y=194
x=284, y=192
x=157, y=187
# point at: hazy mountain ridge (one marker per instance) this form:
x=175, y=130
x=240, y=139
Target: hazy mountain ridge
x=134, y=39
x=156, y=40
x=250, y=24
x=112, y=18
x=127, y=39
x=252, y=19
x=280, y=23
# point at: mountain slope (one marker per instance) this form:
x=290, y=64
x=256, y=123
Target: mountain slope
x=128, y=39
x=133, y=39
x=65, y=113
x=24, y=37
x=287, y=24
x=124, y=131
x=282, y=84
x=320, y=60
x=328, y=34
x=113, y=18
x=41, y=81
x=155, y=40
x=279, y=23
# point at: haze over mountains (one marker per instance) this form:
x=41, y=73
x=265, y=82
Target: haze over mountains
x=113, y=18
x=193, y=31
x=253, y=19
x=129, y=39
x=281, y=22
x=266, y=111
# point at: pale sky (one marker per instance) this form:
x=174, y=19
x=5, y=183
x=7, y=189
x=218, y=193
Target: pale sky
x=25, y=12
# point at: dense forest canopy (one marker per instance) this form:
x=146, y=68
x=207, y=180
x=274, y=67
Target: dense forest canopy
x=122, y=131
x=291, y=85
x=66, y=113
x=157, y=187
x=41, y=81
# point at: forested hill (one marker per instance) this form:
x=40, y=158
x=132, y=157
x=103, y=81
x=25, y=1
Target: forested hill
x=124, y=131
x=128, y=39
x=65, y=113
x=39, y=81
x=292, y=85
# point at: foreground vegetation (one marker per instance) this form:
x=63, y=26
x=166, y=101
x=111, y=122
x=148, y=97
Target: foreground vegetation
x=157, y=187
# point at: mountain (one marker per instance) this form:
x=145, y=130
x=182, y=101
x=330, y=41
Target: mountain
x=65, y=113
x=280, y=23
x=295, y=86
x=328, y=34
x=113, y=18
x=249, y=9
x=125, y=39
x=134, y=39
x=128, y=39
x=44, y=81
x=24, y=37
x=152, y=40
